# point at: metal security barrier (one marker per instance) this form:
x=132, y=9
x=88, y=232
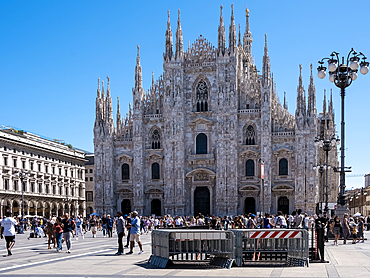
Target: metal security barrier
x=271, y=247
x=177, y=245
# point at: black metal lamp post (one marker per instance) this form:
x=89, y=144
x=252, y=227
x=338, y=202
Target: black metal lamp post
x=326, y=145
x=22, y=175
x=320, y=169
x=342, y=76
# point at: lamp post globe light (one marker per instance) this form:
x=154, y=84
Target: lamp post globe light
x=342, y=75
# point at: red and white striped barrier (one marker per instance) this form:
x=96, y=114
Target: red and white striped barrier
x=275, y=234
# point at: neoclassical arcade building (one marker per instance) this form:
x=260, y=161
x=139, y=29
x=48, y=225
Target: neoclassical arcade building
x=53, y=181
x=195, y=140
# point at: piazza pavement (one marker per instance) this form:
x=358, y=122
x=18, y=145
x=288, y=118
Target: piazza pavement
x=94, y=257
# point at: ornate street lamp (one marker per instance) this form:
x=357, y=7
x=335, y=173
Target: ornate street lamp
x=320, y=169
x=326, y=144
x=342, y=76
x=22, y=174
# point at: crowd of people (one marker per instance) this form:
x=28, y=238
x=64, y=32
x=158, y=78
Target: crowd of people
x=65, y=228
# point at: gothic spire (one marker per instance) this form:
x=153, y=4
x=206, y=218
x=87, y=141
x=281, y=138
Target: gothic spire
x=311, y=111
x=324, y=104
x=331, y=102
x=98, y=91
x=221, y=36
x=266, y=72
x=239, y=41
x=138, y=71
x=247, y=39
x=232, y=32
x=169, y=41
x=119, y=125
x=301, y=101
x=179, y=40
x=285, y=102
x=153, y=84
x=109, y=110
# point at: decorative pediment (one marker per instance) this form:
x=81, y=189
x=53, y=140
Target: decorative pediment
x=124, y=157
x=282, y=150
x=283, y=187
x=200, y=121
x=155, y=156
x=202, y=170
x=154, y=190
x=249, y=188
x=249, y=153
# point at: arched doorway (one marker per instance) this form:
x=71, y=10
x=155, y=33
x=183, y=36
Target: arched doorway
x=250, y=205
x=16, y=210
x=283, y=205
x=156, y=207
x=39, y=209
x=47, y=210
x=6, y=206
x=126, y=206
x=202, y=202
x=53, y=209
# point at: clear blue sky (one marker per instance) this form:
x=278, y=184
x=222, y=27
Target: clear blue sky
x=52, y=53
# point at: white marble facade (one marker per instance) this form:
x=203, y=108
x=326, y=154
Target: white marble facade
x=194, y=141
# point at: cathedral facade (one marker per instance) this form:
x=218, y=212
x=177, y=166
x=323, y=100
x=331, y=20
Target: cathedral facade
x=196, y=140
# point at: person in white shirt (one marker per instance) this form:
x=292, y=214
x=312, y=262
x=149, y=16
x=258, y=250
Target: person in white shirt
x=78, y=222
x=8, y=230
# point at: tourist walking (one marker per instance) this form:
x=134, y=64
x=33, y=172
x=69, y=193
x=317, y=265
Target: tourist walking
x=58, y=234
x=345, y=228
x=335, y=229
x=79, y=221
x=93, y=225
x=104, y=221
x=135, y=233
x=68, y=227
x=110, y=226
x=120, y=226
x=8, y=230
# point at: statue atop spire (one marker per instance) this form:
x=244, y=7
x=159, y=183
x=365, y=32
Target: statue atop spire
x=221, y=36
x=232, y=32
x=168, y=55
x=179, y=40
x=247, y=39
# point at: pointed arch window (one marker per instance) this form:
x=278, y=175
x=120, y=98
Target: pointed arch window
x=125, y=171
x=201, y=143
x=249, y=168
x=250, y=136
x=155, y=171
x=156, y=139
x=202, y=96
x=283, y=167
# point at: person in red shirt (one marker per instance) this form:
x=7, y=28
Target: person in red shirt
x=58, y=234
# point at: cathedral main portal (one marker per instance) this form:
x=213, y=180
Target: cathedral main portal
x=202, y=202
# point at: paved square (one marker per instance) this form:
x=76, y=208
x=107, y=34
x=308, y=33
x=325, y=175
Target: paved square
x=94, y=257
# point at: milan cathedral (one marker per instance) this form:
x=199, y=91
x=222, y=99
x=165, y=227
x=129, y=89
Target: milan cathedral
x=196, y=140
